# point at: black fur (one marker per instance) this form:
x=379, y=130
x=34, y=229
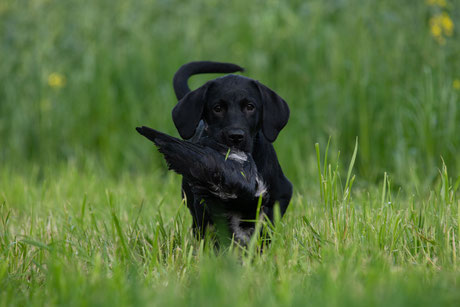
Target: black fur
x=180, y=78
x=238, y=112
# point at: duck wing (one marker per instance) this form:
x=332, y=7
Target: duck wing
x=214, y=171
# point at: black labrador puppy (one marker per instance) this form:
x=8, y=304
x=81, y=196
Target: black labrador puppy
x=244, y=115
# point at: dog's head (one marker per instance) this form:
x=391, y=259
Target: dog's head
x=234, y=109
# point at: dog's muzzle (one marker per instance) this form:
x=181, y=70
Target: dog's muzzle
x=235, y=137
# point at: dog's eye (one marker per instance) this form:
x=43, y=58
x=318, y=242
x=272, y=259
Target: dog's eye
x=218, y=109
x=250, y=107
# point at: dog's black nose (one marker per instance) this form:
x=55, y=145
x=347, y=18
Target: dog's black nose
x=236, y=136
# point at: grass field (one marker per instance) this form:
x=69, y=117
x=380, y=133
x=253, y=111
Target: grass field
x=89, y=214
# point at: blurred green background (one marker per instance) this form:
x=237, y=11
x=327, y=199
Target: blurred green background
x=88, y=215
x=76, y=77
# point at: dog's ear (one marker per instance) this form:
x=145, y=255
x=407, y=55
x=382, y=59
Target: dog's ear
x=188, y=111
x=275, y=112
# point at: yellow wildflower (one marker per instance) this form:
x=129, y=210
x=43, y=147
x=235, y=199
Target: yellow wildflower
x=56, y=80
x=447, y=24
x=436, y=30
x=441, y=25
x=456, y=84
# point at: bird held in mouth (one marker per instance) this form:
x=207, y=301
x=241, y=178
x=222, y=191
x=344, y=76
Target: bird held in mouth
x=225, y=178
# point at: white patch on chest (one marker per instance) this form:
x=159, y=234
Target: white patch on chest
x=242, y=235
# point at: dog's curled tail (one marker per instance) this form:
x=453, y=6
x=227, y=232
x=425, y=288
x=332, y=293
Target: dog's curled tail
x=201, y=67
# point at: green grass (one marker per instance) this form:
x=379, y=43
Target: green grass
x=72, y=237
x=90, y=216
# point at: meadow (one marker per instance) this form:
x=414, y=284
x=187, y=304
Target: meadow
x=89, y=214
